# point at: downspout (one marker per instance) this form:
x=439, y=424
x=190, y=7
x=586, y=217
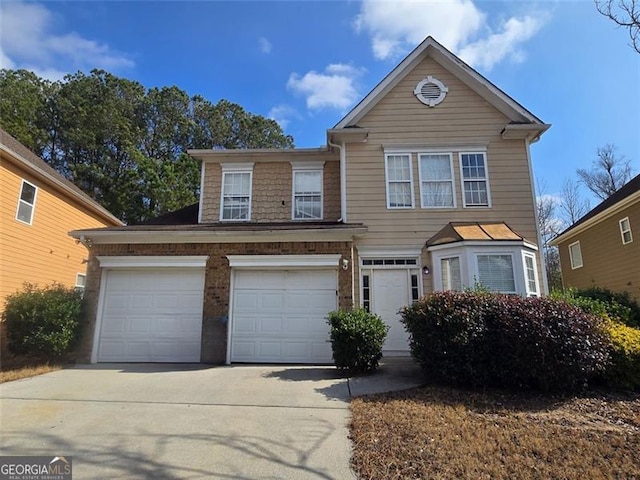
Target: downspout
x=343, y=180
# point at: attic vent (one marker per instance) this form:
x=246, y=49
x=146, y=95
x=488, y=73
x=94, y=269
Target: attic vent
x=430, y=91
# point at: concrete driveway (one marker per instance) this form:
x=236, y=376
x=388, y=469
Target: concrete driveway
x=192, y=421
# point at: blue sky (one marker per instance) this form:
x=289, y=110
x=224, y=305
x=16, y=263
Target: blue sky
x=306, y=64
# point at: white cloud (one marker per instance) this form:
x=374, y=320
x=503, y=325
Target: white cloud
x=334, y=88
x=496, y=47
x=265, y=45
x=283, y=114
x=397, y=27
x=28, y=41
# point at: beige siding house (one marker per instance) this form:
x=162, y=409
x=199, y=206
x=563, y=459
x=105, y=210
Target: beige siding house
x=600, y=249
x=425, y=185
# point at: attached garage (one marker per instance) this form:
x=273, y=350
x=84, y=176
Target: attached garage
x=150, y=309
x=279, y=312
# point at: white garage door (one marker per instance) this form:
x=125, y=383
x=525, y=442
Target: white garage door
x=280, y=316
x=152, y=315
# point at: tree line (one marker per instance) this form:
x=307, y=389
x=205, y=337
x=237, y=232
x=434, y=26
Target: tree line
x=124, y=144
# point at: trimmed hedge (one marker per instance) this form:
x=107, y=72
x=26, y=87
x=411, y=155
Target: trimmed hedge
x=43, y=321
x=624, y=370
x=482, y=339
x=357, y=337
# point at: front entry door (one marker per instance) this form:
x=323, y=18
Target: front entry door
x=391, y=290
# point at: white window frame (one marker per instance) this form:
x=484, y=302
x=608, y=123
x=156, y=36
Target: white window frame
x=423, y=180
x=498, y=254
x=623, y=230
x=78, y=283
x=410, y=181
x=532, y=256
x=448, y=287
x=235, y=169
x=32, y=205
x=485, y=179
x=307, y=167
x=574, y=264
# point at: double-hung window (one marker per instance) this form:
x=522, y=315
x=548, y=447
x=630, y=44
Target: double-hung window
x=399, y=180
x=235, y=202
x=307, y=194
x=26, y=202
x=436, y=180
x=451, y=275
x=495, y=272
x=625, y=231
x=530, y=274
x=475, y=179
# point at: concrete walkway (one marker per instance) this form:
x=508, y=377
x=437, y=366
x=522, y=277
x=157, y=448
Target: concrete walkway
x=191, y=421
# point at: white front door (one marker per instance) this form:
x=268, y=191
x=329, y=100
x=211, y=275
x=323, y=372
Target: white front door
x=391, y=290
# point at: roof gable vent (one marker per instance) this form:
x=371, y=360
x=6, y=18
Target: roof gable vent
x=430, y=91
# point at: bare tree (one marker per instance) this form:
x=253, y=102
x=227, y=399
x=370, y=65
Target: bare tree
x=608, y=174
x=572, y=206
x=625, y=13
x=549, y=226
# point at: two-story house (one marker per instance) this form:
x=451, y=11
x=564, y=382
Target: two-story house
x=425, y=185
x=598, y=250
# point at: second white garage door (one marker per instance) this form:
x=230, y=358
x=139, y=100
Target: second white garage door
x=152, y=315
x=279, y=316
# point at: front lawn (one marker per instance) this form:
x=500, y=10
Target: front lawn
x=447, y=433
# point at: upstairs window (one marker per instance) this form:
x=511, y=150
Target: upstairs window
x=399, y=180
x=235, y=204
x=475, y=179
x=26, y=202
x=575, y=255
x=436, y=180
x=625, y=231
x=307, y=194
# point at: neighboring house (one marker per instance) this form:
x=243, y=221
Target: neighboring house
x=38, y=207
x=425, y=185
x=599, y=249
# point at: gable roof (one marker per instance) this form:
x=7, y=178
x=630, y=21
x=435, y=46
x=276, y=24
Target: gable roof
x=32, y=162
x=474, y=80
x=628, y=191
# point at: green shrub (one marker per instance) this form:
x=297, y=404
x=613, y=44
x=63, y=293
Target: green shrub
x=624, y=369
x=620, y=305
x=43, y=321
x=505, y=340
x=357, y=337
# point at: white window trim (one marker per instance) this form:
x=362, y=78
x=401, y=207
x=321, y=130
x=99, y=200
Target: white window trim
x=622, y=231
x=33, y=205
x=386, y=179
x=453, y=179
x=486, y=177
x=78, y=276
x=236, y=168
x=284, y=261
x=574, y=267
x=532, y=256
x=448, y=257
x=297, y=167
x=133, y=261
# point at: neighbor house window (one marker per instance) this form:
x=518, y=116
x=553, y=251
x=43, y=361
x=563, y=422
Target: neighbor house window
x=81, y=280
x=625, y=231
x=235, y=204
x=307, y=195
x=575, y=254
x=436, y=181
x=451, y=277
x=399, y=181
x=475, y=180
x=26, y=202
x=531, y=276
x=496, y=273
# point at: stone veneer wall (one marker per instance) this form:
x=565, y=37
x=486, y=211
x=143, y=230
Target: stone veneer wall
x=217, y=283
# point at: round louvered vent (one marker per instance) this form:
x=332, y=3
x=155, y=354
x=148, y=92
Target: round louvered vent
x=430, y=91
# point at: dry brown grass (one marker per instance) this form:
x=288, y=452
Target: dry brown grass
x=444, y=433
x=14, y=367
